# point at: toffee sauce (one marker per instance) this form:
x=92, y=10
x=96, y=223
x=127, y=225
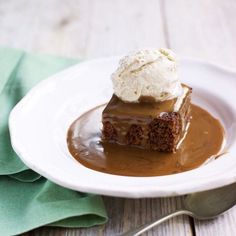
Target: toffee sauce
x=203, y=141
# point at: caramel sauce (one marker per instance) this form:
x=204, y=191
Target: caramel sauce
x=203, y=141
x=146, y=108
x=140, y=110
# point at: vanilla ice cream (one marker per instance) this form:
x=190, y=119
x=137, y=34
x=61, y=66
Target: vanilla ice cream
x=147, y=73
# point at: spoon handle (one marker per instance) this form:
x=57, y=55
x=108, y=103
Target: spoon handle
x=146, y=227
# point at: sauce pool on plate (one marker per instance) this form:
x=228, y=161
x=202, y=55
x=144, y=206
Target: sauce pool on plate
x=203, y=141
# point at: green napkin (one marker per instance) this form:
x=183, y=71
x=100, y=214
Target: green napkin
x=27, y=200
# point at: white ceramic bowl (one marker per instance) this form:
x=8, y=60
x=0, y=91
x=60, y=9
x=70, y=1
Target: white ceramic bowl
x=39, y=124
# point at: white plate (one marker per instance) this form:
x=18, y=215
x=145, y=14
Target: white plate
x=39, y=123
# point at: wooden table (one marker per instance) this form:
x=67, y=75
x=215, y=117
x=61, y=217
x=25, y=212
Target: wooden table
x=204, y=29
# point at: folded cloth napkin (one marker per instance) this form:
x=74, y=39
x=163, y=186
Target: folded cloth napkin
x=27, y=200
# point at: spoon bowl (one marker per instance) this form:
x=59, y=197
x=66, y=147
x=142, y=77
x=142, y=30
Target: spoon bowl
x=202, y=205
x=211, y=203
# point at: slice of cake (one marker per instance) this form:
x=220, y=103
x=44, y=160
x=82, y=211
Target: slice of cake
x=150, y=108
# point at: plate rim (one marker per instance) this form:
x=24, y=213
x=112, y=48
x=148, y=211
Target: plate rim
x=227, y=179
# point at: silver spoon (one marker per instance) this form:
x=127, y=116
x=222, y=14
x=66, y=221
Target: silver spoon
x=202, y=205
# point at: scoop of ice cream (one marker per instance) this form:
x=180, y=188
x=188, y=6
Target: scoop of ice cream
x=150, y=73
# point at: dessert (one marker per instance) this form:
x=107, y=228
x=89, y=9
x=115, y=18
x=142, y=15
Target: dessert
x=145, y=128
x=150, y=108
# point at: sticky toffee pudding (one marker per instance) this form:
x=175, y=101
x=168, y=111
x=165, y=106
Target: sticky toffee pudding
x=149, y=127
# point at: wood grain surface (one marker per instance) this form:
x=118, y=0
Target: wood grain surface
x=204, y=29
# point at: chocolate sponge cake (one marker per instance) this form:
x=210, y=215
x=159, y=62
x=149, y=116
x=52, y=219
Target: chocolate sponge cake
x=152, y=125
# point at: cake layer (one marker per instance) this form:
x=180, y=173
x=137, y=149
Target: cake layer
x=149, y=125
